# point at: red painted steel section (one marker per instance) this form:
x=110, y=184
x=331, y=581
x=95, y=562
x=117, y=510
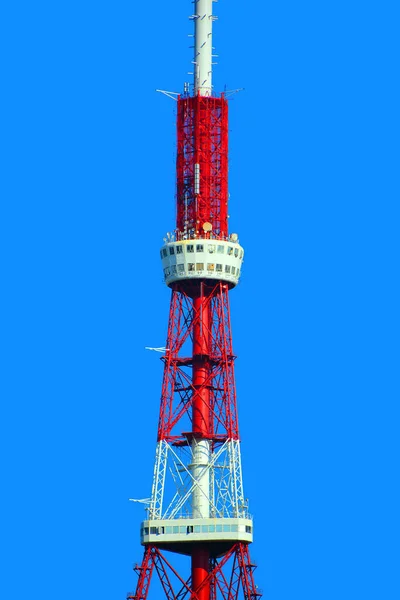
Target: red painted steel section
x=227, y=578
x=201, y=369
x=204, y=382
x=144, y=572
x=202, y=132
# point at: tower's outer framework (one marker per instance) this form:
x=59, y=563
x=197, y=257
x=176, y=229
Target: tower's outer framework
x=197, y=506
x=202, y=165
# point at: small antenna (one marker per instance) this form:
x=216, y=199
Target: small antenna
x=228, y=93
x=160, y=349
x=173, y=95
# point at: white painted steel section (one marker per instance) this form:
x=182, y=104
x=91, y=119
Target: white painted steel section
x=157, y=492
x=204, y=484
x=201, y=474
x=199, y=258
x=179, y=503
x=239, y=503
x=203, y=20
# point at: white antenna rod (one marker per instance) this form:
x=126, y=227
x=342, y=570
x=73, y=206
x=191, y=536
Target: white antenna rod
x=203, y=20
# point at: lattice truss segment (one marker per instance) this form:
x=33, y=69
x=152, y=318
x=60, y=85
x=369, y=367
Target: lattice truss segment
x=174, y=480
x=202, y=164
x=178, y=392
x=228, y=577
x=225, y=498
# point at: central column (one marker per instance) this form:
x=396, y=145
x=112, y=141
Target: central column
x=200, y=430
x=201, y=331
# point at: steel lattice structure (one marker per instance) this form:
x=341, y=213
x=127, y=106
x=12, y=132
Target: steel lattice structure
x=202, y=132
x=197, y=506
x=240, y=582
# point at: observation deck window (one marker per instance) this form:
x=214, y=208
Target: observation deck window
x=173, y=269
x=199, y=266
x=199, y=248
x=220, y=249
x=164, y=252
x=181, y=268
x=190, y=248
x=218, y=268
x=241, y=254
x=230, y=250
x=188, y=529
x=190, y=266
x=210, y=266
x=171, y=250
x=179, y=249
x=211, y=248
x=227, y=268
x=233, y=270
x=236, y=252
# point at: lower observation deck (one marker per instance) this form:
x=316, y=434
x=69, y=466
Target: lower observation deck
x=178, y=535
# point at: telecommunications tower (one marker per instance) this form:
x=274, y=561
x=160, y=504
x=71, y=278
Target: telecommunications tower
x=197, y=506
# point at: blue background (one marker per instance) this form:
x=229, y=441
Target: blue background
x=87, y=190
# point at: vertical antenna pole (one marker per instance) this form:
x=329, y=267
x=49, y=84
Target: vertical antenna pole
x=203, y=48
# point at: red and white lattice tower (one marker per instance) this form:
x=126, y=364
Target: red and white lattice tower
x=197, y=506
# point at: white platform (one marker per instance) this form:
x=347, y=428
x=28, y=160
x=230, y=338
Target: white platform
x=172, y=531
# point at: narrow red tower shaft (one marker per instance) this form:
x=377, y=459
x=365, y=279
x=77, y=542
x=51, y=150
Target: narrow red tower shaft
x=201, y=343
x=200, y=570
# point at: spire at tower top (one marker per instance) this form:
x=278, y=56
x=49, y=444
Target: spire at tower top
x=203, y=20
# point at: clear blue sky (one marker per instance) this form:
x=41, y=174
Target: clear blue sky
x=87, y=190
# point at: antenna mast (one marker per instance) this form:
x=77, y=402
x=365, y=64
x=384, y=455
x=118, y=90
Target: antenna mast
x=203, y=20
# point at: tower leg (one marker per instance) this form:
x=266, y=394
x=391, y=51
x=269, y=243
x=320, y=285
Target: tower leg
x=145, y=571
x=251, y=592
x=211, y=579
